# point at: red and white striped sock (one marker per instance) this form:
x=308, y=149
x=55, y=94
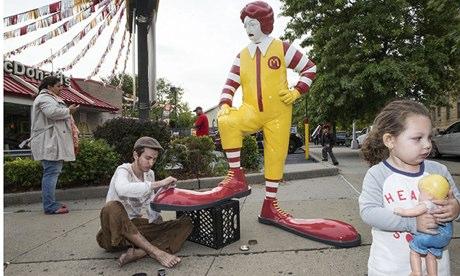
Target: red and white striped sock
x=271, y=188
x=233, y=156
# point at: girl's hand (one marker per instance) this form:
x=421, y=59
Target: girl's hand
x=448, y=210
x=426, y=223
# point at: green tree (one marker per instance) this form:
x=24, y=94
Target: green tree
x=126, y=83
x=127, y=87
x=369, y=52
x=167, y=93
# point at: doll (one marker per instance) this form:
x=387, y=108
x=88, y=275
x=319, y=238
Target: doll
x=431, y=187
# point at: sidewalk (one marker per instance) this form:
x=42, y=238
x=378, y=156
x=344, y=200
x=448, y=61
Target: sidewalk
x=37, y=244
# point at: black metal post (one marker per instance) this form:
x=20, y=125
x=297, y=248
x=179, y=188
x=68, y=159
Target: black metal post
x=142, y=65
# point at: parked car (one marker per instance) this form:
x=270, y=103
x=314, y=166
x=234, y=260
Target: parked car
x=342, y=138
x=363, y=135
x=447, y=141
x=295, y=142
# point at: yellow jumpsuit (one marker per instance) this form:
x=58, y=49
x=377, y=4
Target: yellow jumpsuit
x=261, y=77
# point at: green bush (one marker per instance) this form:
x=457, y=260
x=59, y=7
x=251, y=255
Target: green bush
x=22, y=174
x=194, y=154
x=7, y=158
x=94, y=165
x=220, y=165
x=122, y=133
x=250, y=156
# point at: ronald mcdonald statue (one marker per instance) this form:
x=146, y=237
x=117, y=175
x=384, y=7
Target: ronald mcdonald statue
x=260, y=70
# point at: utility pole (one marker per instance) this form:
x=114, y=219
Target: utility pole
x=354, y=142
x=174, y=90
x=133, y=45
x=144, y=101
x=144, y=15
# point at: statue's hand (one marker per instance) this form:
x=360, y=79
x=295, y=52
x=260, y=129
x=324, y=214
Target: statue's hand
x=224, y=110
x=289, y=96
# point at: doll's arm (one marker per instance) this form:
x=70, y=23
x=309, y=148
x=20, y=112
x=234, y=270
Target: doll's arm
x=411, y=212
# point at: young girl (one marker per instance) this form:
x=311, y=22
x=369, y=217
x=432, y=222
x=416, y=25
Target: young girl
x=396, y=148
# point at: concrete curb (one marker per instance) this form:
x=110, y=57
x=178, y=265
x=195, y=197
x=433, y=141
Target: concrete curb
x=305, y=172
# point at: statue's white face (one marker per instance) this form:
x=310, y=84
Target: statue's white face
x=253, y=29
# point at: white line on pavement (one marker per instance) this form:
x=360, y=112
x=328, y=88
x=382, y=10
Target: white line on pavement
x=350, y=184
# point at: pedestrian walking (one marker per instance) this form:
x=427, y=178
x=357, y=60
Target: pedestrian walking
x=52, y=140
x=328, y=141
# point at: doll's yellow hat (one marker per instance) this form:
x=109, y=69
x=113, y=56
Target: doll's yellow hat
x=435, y=185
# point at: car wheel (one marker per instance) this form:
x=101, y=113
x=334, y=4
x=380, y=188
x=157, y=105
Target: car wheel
x=434, y=151
x=292, y=147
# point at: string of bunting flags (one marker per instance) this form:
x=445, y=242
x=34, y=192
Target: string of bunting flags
x=72, y=12
x=43, y=11
x=63, y=13
x=105, y=15
x=109, y=45
x=111, y=11
x=126, y=60
x=122, y=47
x=57, y=31
x=32, y=14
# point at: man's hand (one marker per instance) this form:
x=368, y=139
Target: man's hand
x=448, y=210
x=225, y=110
x=168, y=182
x=289, y=96
x=426, y=223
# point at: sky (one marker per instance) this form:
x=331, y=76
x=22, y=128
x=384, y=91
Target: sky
x=197, y=42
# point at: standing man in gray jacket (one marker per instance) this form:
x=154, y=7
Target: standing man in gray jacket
x=51, y=138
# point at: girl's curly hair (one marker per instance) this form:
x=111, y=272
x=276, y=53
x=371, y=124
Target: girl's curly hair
x=390, y=120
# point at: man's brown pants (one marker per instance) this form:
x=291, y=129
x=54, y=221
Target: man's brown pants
x=115, y=225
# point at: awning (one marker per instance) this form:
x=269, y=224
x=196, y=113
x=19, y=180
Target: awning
x=71, y=95
x=11, y=86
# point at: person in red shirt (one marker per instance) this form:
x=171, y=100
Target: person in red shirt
x=201, y=123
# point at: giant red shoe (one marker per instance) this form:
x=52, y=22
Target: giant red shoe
x=175, y=199
x=328, y=231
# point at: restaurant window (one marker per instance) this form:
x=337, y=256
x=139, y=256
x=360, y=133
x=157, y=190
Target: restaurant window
x=16, y=127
